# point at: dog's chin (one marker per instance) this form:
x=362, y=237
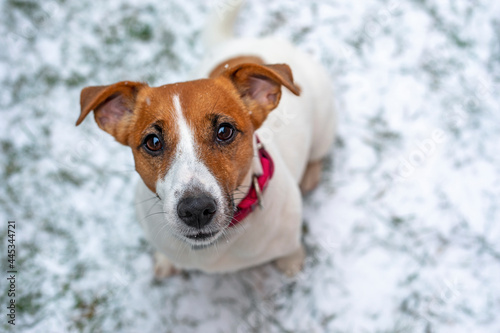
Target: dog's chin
x=202, y=239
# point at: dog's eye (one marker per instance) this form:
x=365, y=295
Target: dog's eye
x=153, y=143
x=225, y=132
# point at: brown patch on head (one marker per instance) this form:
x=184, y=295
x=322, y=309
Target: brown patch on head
x=240, y=97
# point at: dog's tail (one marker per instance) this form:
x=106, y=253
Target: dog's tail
x=219, y=27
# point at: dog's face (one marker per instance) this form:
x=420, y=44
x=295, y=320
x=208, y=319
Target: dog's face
x=192, y=141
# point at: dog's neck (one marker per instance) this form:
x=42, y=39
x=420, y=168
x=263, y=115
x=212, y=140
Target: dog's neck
x=255, y=170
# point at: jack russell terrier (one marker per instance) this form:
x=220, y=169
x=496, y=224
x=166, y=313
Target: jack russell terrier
x=223, y=160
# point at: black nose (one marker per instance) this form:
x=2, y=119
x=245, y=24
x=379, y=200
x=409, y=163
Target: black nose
x=196, y=211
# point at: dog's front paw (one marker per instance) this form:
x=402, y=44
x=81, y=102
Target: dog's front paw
x=292, y=264
x=163, y=267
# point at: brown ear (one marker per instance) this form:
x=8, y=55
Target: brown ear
x=260, y=87
x=113, y=105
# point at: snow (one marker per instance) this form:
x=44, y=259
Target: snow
x=403, y=234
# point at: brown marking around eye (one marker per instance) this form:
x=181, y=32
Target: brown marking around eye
x=153, y=110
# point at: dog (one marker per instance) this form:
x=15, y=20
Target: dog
x=223, y=159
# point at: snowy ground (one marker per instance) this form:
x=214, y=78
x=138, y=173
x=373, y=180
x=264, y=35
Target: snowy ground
x=403, y=234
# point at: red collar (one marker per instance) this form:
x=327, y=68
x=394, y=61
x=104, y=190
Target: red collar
x=259, y=184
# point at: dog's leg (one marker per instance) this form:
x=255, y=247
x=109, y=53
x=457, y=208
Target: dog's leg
x=291, y=264
x=163, y=267
x=311, y=176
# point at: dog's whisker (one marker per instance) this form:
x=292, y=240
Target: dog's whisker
x=164, y=226
x=147, y=215
x=152, y=214
x=143, y=201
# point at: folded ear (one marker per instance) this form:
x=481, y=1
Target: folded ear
x=113, y=106
x=260, y=87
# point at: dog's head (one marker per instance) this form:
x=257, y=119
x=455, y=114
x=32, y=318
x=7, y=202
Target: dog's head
x=192, y=141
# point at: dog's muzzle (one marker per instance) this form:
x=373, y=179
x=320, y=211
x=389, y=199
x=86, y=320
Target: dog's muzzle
x=197, y=211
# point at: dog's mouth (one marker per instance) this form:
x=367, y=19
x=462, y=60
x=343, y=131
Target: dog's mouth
x=202, y=235
x=202, y=240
